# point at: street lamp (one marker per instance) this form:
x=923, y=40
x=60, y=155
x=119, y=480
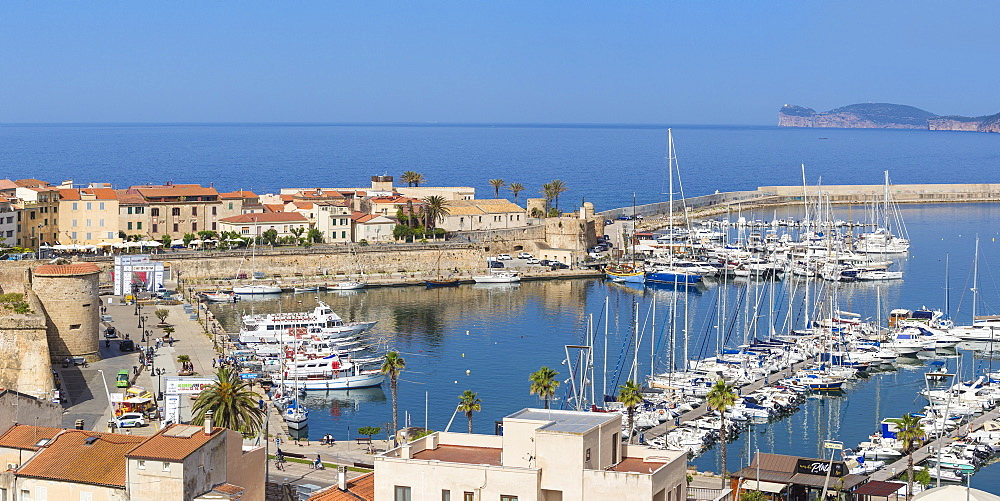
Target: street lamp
x=159, y=389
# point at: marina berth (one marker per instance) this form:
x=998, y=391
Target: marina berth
x=287, y=327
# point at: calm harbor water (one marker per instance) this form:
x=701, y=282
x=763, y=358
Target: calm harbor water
x=501, y=334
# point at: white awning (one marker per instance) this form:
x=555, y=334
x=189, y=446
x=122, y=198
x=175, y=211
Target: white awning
x=754, y=485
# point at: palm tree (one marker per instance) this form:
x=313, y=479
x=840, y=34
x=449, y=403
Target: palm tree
x=516, y=188
x=558, y=188
x=468, y=402
x=497, y=184
x=412, y=178
x=548, y=193
x=543, y=383
x=630, y=395
x=435, y=209
x=232, y=403
x=392, y=366
x=911, y=433
x=721, y=397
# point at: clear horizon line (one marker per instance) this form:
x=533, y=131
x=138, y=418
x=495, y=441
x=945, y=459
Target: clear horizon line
x=400, y=124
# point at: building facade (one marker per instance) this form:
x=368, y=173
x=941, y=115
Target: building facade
x=8, y=223
x=472, y=215
x=333, y=220
x=89, y=216
x=178, y=209
x=542, y=455
x=38, y=222
x=254, y=225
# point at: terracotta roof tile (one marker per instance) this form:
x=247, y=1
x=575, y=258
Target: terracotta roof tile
x=30, y=183
x=238, y=194
x=7, y=184
x=360, y=488
x=274, y=207
x=130, y=198
x=266, y=217
x=174, y=443
x=22, y=436
x=77, y=194
x=177, y=190
x=69, y=458
x=67, y=269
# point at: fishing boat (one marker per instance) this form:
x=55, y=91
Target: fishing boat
x=500, y=276
x=624, y=273
x=331, y=374
x=441, y=281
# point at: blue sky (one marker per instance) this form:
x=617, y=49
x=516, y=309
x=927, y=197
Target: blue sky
x=664, y=62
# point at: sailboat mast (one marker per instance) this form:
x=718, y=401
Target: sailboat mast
x=975, y=281
x=670, y=188
x=947, y=288
x=604, y=384
x=805, y=201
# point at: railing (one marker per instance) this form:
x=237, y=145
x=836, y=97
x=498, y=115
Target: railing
x=705, y=494
x=283, y=251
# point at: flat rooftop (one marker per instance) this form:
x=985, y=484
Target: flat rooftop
x=462, y=454
x=565, y=421
x=637, y=465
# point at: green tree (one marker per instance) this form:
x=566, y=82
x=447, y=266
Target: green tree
x=315, y=236
x=298, y=232
x=188, y=237
x=752, y=496
x=400, y=232
x=515, y=188
x=370, y=430
x=208, y=235
x=435, y=209
x=468, y=402
x=232, y=402
x=412, y=178
x=558, y=188
x=911, y=433
x=166, y=240
x=543, y=383
x=270, y=237
x=630, y=395
x=183, y=359
x=497, y=184
x=162, y=314
x=168, y=330
x=548, y=193
x=721, y=397
x=392, y=366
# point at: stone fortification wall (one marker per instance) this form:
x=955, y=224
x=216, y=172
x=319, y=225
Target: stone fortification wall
x=24, y=351
x=570, y=233
x=13, y=275
x=69, y=297
x=372, y=263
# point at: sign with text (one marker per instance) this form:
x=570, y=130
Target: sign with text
x=187, y=386
x=820, y=467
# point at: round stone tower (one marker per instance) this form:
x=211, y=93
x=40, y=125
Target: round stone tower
x=69, y=294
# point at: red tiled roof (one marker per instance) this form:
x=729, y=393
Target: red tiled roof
x=30, y=183
x=360, y=488
x=69, y=458
x=274, y=207
x=173, y=443
x=7, y=184
x=302, y=205
x=177, y=190
x=462, y=454
x=238, y=194
x=396, y=199
x=22, y=436
x=67, y=269
x=266, y=217
x=129, y=197
x=361, y=217
x=99, y=193
x=287, y=198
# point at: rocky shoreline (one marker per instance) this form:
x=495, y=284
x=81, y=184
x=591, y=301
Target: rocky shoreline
x=883, y=116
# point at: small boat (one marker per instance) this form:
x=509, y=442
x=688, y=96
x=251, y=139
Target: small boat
x=257, y=289
x=296, y=417
x=938, y=373
x=220, y=297
x=498, y=277
x=347, y=285
x=879, y=275
x=305, y=288
x=625, y=273
x=442, y=282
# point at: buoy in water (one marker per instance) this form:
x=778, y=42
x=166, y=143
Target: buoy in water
x=467, y=372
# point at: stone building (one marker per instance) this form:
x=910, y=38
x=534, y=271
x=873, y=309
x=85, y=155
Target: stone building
x=178, y=209
x=88, y=216
x=38, y=221
x=69, y=297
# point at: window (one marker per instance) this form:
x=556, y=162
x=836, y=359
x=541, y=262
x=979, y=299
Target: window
x=74, y=205
x=41, y=493
x=155, y=211
x=155, y=230
x=25, y=495
x=614, y=448
x=214, y=226
x=194, y=211
x=73, y=235
x=129, y=225
x=74, y=223
x=74, y=327
x=468, y=496
x=402, y=494
x=100, y=222
x=343, y=234
x=142, y=464
x=100, y=205
x=176, y=227
x=194, y=226
x=588, y=454
x=89, y=221
x=129, y=210
x=230, y=206
x=445, y=495
x=176, y=211
x=88, y=236
x=140, y=210
x=507, y=497
x=138, y=225
x=166, y=466
x=214, y=210
x=111, y=234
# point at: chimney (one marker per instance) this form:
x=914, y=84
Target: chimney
x=208, y=423
x=342, y=478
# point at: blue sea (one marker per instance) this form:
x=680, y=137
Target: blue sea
x=488, y=338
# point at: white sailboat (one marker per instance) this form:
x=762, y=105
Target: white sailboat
x=253, y=288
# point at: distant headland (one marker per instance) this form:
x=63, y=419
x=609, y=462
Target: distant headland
x=883, y=116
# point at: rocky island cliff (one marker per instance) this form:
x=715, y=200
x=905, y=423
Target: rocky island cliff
x=883, y=116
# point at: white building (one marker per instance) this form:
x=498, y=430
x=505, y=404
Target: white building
x=469, y=215
x=257, y=223
x=372, y=227
x=543, y=455
x=333, y=220
x=8, y=223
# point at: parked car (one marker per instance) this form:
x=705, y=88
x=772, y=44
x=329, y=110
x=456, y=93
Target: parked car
x=494, y=264
x=131, y=420
x=545, y=262
x=533, y=260
x=126, y=345
x=524, y=255
x=608, y=221
x=504, y=257
x=556, y=265
x=624, y=217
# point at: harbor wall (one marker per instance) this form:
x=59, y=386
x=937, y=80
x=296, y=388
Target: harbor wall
x=721, y=202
